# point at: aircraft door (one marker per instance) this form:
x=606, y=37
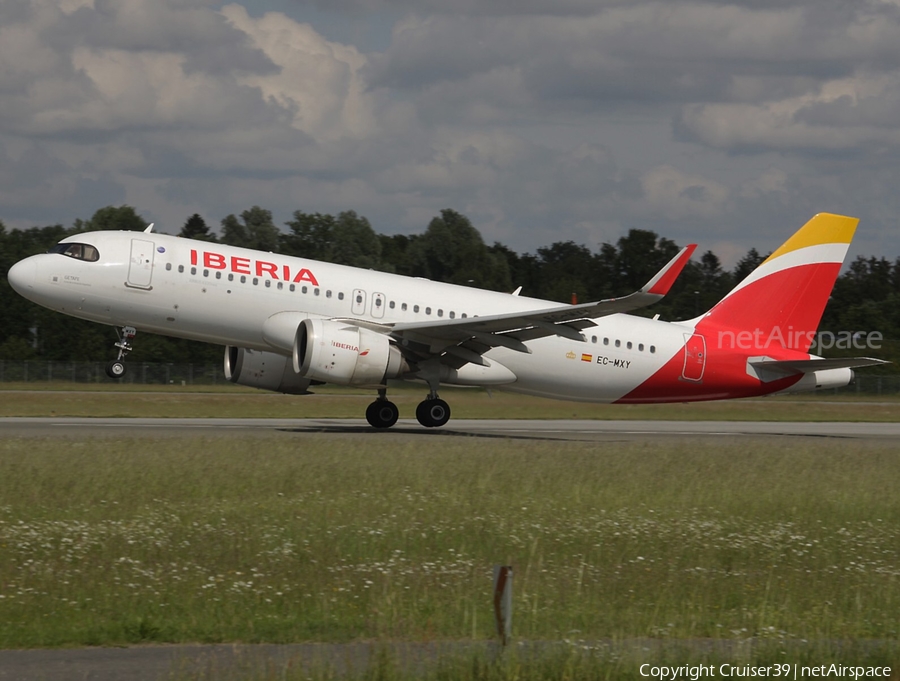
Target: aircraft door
x=140, y=267
x=358, y=304
x=378, y=305
x=694, y=357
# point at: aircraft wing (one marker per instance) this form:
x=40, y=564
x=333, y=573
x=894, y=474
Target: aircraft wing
x=464, y=340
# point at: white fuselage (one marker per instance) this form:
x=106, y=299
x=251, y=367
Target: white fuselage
x=221, y=294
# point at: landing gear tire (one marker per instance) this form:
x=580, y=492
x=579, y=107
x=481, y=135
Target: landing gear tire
x=382, y=414
x=433, y=413
x=115, y=369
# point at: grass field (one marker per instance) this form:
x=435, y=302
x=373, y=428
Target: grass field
x=106, y=542
x=227, y=402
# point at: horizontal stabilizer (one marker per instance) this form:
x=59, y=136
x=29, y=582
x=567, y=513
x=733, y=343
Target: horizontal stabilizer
x=806, y=366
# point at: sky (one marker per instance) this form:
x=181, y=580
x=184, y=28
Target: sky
x=728, y=124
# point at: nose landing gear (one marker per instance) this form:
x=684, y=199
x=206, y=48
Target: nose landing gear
x=116, y=368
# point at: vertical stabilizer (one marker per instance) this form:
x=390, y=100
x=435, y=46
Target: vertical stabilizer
x=781, y=302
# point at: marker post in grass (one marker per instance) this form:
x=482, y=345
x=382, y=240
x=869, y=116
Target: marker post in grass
x=503, y=579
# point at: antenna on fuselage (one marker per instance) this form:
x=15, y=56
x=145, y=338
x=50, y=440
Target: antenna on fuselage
x=149, y=228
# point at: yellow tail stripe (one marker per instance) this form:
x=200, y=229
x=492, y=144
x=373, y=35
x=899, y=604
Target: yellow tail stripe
x=823, y=228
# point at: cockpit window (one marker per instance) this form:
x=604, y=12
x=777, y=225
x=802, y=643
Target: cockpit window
x=77, y=251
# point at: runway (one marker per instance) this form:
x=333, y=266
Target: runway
x=574, y=430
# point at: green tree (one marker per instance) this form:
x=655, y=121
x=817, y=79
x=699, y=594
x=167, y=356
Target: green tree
x=254, y=230
x=639, y=255
x=567, y=269
x=18, y=314
x=747, y=264
x=395, y=253
x=309, y=235
x=113, y=218
x=354, y=242
x=196, y=228
x=452, y=250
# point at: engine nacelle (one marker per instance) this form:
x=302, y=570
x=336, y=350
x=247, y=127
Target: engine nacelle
x=344, y=354
x=821, y=380
x=266, y=370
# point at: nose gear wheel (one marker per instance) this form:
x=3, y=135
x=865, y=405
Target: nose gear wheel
x=116, y=368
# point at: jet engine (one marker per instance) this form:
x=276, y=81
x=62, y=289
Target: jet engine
x=266, y=370
x=345, y=354
x=821, y=380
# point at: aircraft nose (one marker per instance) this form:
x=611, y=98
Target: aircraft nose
x=21, y=275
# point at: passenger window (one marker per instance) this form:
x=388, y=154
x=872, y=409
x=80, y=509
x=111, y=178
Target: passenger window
x=268, y=283
x=593, y=339
x=293, y=288
x=193, y=270
x=180, y=268
x=440, y=313
x=618, y=343
x=628, y=345
x=280, y=286
x=168, y=266
x=427, y=310
x=315, y=291
x=205, y=273
x=243, y=279
x=403, y=307
x=452, y=314
x=328, y=294
x=341, y=295
x=641, y=347
x=304, y=289
x=652, y=348
x=230, y=277
x=606, y=341
x=392, y=304
x=256, y=281
x=218, y=275
x=415, y=308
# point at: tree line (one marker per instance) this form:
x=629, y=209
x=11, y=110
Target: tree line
x=866, y=296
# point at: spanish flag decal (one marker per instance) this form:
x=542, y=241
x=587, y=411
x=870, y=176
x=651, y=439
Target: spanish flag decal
x=587, y=358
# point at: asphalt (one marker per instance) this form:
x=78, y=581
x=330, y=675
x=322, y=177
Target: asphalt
x=591, y=431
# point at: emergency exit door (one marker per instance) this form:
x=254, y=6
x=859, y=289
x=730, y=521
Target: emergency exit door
x=694, y=357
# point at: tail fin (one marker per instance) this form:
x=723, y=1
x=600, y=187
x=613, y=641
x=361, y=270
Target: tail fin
x=783, y=299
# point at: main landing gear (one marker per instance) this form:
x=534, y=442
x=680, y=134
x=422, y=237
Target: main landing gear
x=382, y=413
x=432, y=412
x=116, y=368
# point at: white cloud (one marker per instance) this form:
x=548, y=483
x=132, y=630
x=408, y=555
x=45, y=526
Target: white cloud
x=317, y=81
x=845, y=114
x=670, y=192
x=543, y=120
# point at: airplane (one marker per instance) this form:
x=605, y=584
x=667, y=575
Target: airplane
x=290, y=323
